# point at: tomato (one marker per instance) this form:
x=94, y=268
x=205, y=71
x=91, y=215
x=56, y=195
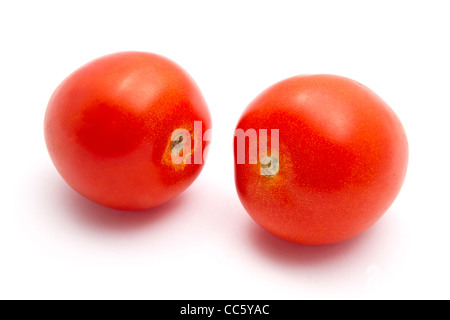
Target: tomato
x=335, y=166
x=109, y=126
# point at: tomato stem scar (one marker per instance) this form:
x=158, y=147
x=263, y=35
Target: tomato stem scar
x=177, y=145
x=269, y=166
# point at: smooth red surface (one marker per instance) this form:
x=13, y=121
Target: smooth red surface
x=343, y=159
x=108, y=129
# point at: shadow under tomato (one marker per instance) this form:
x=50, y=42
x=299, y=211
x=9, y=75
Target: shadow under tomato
x=96, y=216
x=50, y=188
x=288, y=253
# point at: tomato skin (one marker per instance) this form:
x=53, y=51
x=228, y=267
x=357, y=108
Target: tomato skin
x=108, y=129
x=343, y=156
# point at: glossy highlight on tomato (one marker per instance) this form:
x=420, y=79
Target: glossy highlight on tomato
x=341, y=159
x=108, y=129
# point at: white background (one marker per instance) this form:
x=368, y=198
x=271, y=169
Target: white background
x=203, y=245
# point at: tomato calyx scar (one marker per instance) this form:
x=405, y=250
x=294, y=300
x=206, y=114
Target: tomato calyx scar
x=269, y=166
x=177, y=145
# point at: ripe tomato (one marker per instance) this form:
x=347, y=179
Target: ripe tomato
x=109, y=125
x=339, y=164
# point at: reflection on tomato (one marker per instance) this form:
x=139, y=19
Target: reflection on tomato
x=108, y=129
x=342, y=159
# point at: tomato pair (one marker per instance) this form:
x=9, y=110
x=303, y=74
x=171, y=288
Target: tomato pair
x=128, y=131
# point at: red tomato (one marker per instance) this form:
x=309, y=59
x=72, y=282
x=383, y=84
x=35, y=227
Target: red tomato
x=341, y=162
x=109, y=125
